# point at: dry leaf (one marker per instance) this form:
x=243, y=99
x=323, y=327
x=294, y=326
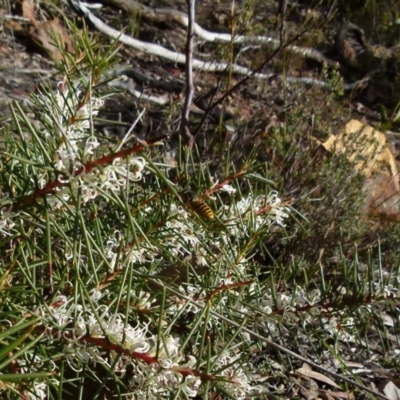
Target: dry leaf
x=366, y=147
x=353, y=364
x=391, y=391
x=388, y=320
x=47, y=33
x=327, y=396
x=339, y=395
x=310, y=389
x=15, y=27
x=28, y=9
x=382, y=196
x=309, y=373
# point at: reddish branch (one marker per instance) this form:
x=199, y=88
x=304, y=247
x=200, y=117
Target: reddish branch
x=228, y=287
x=51, y=187
x=146, y=358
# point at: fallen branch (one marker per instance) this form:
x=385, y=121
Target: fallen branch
x=156, y=50
x=166, y=14
x=128, y=86
x=175, y=86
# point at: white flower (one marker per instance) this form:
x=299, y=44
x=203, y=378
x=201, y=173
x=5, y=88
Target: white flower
x=340, y=328
x=112, y=246
x=190, y=386
x=91, y=144
x=244, y=204
x=6, y=222
x=237, y=382
x=228, y=188
x=283, y=301
x=277, y=213
x=32, y=364
x=168, y=348
x=166, y=363
x=314, y=297
x=385, y=290
x=39, y=391
x=139, y=163
x=136, y=340
x=141, y=301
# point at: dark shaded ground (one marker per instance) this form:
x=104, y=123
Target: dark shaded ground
x=364, y=46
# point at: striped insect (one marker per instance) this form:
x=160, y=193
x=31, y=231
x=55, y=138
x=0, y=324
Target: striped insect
x=202, y=209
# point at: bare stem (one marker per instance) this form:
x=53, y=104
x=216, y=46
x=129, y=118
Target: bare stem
x=245, y=79
x=189, y=89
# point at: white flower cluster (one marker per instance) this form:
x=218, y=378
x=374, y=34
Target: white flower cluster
x=182, y=233
x=237, y=382
x=158, y=364
x=340, y=327
x=178, y=304
x=30, y=363
x=190, y=232
x=113, y=177
x=386, y=290
x=38, y=391
x=6, y=221
x=155, y=364
x=69, y=114
x=288, y=305
x=259, y=211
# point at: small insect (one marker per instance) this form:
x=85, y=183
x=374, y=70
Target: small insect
x=202, y=209
x=197, y=205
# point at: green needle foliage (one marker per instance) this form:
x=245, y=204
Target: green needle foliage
x=124, y=277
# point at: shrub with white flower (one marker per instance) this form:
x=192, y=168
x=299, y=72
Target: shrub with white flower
x=113, y=224
x=114, y=283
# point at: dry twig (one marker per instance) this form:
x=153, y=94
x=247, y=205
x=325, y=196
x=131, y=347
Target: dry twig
x=189, y=89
